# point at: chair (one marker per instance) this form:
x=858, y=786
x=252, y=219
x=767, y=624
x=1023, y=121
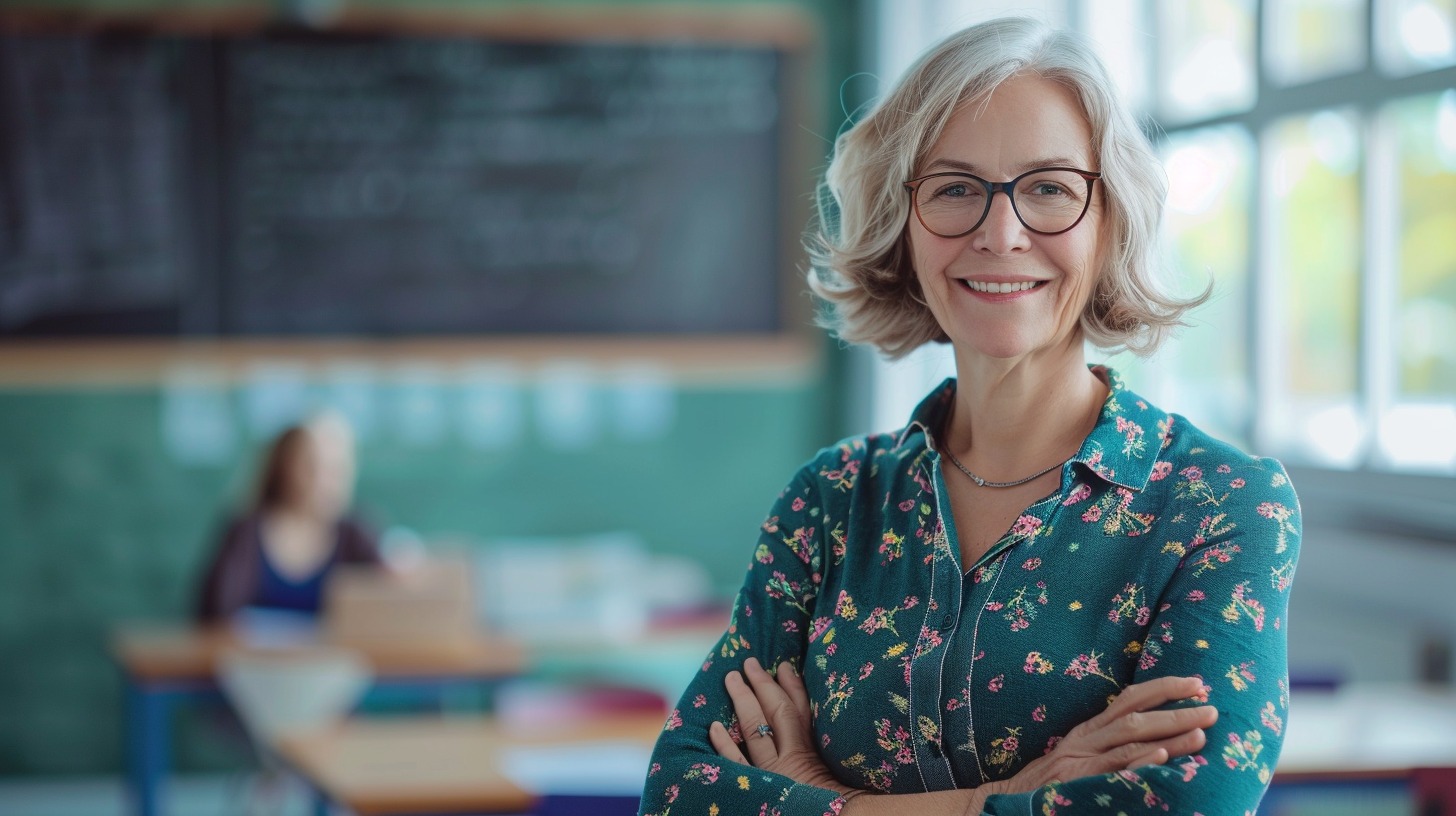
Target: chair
x=275, y=692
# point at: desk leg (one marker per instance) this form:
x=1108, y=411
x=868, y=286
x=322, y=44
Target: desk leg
x=146, y=746
x=320, y=805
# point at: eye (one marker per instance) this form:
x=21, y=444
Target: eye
x=1048, y=188
x=957, y=189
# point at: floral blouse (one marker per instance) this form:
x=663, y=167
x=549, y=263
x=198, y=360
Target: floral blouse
x=1163, y=552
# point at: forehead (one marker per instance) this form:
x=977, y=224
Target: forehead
x=1027, y=121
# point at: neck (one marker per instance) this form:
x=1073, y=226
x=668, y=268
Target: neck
x=1012, y=418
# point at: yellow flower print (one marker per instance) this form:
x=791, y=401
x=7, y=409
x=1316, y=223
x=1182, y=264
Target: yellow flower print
x=1201, y=643
x=896, y=650
x=743, y=783
x=713, y=809
x=1074, y=605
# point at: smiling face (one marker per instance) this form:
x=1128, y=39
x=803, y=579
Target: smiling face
x=1001, y=290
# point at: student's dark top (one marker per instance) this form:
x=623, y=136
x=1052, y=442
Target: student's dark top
x=240, y=576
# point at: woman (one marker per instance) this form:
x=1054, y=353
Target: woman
x=1044, y=594
x=277, y=555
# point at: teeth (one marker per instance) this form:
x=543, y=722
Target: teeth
x=1000, y=288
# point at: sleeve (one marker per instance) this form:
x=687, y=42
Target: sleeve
x=770, y=622
x=1222, y=617
x=229, y=580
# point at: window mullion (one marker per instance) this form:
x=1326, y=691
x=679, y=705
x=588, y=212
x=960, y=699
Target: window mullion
x=1379, y=361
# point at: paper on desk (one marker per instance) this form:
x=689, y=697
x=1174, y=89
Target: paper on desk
x=604, y=768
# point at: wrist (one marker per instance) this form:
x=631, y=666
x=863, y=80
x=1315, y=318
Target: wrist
x=979, y=795
x=848, y=794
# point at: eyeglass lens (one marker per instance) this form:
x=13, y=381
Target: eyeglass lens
x=1045, y=201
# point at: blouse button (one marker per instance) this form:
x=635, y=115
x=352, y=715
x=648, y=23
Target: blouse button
x=947, y=621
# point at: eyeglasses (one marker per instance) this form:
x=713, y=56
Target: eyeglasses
x=1047, y=201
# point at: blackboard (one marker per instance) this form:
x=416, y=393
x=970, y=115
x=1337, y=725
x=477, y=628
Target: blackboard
x=297, y=182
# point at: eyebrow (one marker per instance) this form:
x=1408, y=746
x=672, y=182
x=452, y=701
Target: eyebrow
x=965, y=167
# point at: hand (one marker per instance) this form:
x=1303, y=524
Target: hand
x=783, y=705
x=1125, y=736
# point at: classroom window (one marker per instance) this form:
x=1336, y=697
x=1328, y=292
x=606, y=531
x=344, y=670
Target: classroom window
x=1310, y=147
x=1206, y=57
x=1306, y=40
x=1416, y=35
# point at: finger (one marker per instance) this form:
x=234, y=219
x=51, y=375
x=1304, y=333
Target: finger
x=723, y=743
x=760, y=748
x=1151, y=726
x=1157, y=756
x=793, y=685
x=1151, y=694
x=1138, y=754
x=788, y=727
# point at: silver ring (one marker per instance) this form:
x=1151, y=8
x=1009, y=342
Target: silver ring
x=765, y=731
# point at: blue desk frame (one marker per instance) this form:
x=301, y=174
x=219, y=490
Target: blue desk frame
x=149, y=706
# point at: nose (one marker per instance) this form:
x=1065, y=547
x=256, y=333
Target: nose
x=1001, y=232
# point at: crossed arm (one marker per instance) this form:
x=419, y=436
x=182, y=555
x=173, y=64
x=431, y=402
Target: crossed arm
x=1127, y=735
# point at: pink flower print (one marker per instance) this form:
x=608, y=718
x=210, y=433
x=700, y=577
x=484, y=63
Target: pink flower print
x=1025, y=526
x=907, y=505
x=1161, y=471
x=1051, y=745
x=994, y=606
x=1237, y=483
x=1271, y=720
x=1039, y=713
x=656, y=766
x=996, y=683
x=672, y=793
x=1083, y=665
x=1093, y=514
x=1036, y=664
x=1143, y=616
x=791, y=626
x=700, y=701
x=804, y=537
x=674, y=721
x=1224, y=469
x=1196, y=595
x=1147, y=660
x=1031, y=564
x=819, y=627
x=831, y=649
x=1190, y=768
x=798, y=504
x=866, y=670
x=1192, y=473
x=1079, y=493
x=707, y=773
x=952, y=704
x=911, y=602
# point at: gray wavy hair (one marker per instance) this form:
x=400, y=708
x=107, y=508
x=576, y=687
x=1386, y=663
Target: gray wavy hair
x=860, y=263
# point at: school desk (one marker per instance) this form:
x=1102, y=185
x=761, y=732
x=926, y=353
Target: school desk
x=163, y=664
x=1386, y=740
x=432, y=765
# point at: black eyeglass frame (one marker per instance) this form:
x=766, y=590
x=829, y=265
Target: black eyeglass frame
x=992, y=188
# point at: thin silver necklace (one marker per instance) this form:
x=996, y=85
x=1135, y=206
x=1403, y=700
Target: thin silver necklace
x=983, y=483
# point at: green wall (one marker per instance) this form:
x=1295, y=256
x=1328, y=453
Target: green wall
x=100, y=523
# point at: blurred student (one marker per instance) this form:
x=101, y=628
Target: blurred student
x=277, y=555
